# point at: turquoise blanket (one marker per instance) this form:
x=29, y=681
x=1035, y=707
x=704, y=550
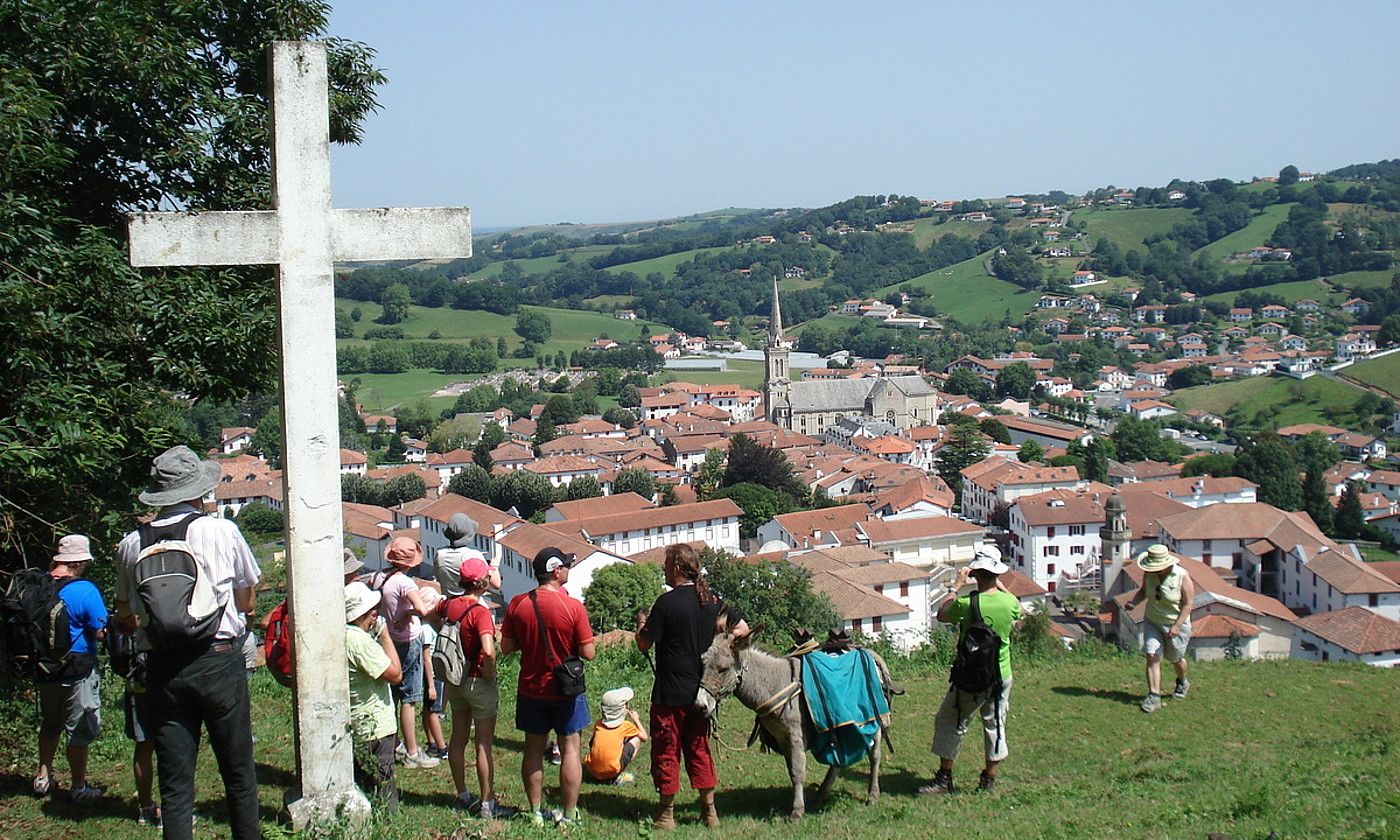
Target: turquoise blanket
x=845, y=699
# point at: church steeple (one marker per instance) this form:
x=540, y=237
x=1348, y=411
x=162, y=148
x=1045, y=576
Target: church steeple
x=775, y=323
x=777, y=388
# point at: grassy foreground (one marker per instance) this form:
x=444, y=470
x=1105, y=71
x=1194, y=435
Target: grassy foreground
x=1305, y=750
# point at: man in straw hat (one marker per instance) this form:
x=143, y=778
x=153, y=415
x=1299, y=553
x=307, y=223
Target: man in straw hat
x=998, y=609
x=201, y=686
x=69, y=700
x=1169, y=592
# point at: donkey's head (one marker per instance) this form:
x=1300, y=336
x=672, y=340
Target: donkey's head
x=722, y=664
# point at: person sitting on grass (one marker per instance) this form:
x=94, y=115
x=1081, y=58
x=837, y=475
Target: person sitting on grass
x=373, y=661
x=1169, y=592
x=617, y=736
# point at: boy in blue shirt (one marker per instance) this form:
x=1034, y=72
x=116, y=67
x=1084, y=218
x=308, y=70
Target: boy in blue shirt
x=71, y=704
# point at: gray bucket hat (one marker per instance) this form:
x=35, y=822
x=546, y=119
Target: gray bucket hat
x=460, y=530
x=179, y=475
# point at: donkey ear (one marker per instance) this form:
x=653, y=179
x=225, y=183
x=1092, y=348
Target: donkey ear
x=741, y=642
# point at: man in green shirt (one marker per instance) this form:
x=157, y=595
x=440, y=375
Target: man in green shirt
x=999, y=610
x=374, y=665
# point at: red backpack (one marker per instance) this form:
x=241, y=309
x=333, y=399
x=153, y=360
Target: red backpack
x=277, y=645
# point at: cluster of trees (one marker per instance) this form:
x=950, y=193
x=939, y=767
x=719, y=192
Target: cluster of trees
x=99, y=123
x=479, y=356
x=395, y=491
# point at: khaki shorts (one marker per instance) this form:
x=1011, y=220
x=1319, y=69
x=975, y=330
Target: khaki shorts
x=75, y=709
x=1155, y=641
x=477, y=696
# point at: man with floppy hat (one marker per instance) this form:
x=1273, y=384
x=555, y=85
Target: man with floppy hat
x=1166, y=630
x=460, y=532
x=204, y=685
x=997, y=609
x=547, y=626
x=70, y=701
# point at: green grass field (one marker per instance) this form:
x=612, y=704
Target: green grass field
x=1259, y=229
x=542, y=265
x=380, y=392
x=964, y=291
x=1291, y=292
x=665, y=265
x=1383, y=373
x=1362, y=279
x=1305, y=750
x=746, y=374
x=572, y=329
x=1128, y=227
x=1264, y=402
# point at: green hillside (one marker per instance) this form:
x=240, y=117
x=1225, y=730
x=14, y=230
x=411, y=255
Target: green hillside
x=1304, y=750
x=1262, y=402
x=1260, y=228
x=965, y=291
x=541, y=265
x=1128, y=227
x=666, y=264
x=1292, y=291
x=1382, y=373
x=1362, y=279
x=573, y=329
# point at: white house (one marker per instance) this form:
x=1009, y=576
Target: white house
x=814, y=528
x=716, y=523
x=1352, y=634
x=353, y=463
x=923, y=541
x=562, y=470
x=235, y=439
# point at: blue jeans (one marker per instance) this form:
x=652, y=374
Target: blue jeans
x=187, y=690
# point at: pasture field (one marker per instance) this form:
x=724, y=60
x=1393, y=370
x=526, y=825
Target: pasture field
x=1128, y=226
x=1267, y=402
x=966, y=292
x=1292, y=292
x=665, y=264
x=1382, y=373
x=1084, y=763
x=1362, y=279
x=1254, y=233
x=744, y=373
x=542, y=265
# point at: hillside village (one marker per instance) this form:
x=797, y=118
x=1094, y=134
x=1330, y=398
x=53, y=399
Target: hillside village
x=1073, y=437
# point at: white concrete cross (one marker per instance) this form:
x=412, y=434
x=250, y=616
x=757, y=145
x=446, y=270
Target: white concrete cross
x=304, y=237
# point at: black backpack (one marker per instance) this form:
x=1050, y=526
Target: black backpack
x=38, y=643
x=181, y=608
x=977, y=665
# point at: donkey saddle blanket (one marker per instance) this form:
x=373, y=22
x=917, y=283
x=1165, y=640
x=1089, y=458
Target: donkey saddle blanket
x=845, y=700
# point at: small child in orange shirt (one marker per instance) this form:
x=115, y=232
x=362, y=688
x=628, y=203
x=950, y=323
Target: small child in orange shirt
x=616, y=737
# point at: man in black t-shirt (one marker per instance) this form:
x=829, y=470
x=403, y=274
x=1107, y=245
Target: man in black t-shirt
x=681, y=626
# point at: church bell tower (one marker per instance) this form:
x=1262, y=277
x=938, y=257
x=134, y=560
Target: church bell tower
x=777, y=387
x=1117, y=542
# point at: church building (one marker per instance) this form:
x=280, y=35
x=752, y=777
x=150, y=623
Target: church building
x=809, y=406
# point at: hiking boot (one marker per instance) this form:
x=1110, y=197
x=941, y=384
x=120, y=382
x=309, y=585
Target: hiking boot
x=419, y=761
x=1182, y=686
x=493, y=810
x=708, y=815
x=986, y=783
x=1152, y=703
x=85, y=794
x=148, y=815
x=565, y=819
x=665, y=817
x=942, y=784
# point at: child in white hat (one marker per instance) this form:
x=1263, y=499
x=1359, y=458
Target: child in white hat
x=616, y=737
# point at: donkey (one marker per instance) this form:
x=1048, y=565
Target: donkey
x=765, y=684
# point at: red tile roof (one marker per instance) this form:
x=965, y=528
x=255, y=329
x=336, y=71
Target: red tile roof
x=1355, y=629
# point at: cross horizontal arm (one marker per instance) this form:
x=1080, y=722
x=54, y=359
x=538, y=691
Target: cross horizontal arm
x=239, y=237
x=414, y=233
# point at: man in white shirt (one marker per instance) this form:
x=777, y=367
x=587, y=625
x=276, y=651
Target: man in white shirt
x=201, y=684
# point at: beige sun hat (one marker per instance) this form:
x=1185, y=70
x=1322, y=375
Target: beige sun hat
x=73, y=548
x=179, y=475
x=1156, y=558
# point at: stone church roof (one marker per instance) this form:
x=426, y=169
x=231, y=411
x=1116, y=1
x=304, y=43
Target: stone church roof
x=813, y=395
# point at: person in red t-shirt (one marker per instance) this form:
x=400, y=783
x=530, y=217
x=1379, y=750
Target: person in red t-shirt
x=539, y=706
x=477, y=698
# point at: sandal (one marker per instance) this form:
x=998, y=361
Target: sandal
x=41, y=785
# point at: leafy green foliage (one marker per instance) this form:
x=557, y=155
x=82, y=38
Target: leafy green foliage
x=1350, y=518
x=533, y=326
x=759, y=504
x=774, y=593
x=584, y=487
x=1141, y=440
x=635, y=480
x=1030, y=451
x=1016, y=380
x=964, y=448
x=258, y=518
x=750, y=462
x=474, y=482
x=1268, y=462
x=620, y=591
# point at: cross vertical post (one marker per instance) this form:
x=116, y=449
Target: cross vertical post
x=303, y=237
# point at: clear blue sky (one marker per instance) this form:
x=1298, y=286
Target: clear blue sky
x=604, y=111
